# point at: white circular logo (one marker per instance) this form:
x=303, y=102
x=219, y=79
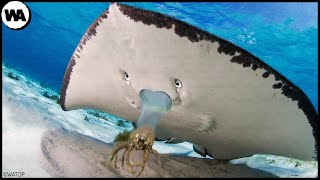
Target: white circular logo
x=16, y=15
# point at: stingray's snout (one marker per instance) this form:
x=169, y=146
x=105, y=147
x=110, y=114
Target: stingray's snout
x=157, y=100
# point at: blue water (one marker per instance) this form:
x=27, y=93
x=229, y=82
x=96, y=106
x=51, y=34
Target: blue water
x=284, y=35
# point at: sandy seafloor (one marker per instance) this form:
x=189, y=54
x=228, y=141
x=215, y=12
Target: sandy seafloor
x=42, y=140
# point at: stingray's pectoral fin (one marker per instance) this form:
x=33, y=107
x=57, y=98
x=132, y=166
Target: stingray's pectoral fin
x=174, y=141
x=159, y=139
x=200, y=150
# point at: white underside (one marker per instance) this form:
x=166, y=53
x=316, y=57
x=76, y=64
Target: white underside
x=231, y=110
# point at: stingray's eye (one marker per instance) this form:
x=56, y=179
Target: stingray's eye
x=126, y=76
x=177, y=83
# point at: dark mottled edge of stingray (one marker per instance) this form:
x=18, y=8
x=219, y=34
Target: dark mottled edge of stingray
x=91, y=31
x=194, y=34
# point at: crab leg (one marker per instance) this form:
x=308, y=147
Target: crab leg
x=146, y=156
x=115, y=161
x=146, y=152
x=119, y=145
x=123, y=156
x=142, y=168
x=129, y=163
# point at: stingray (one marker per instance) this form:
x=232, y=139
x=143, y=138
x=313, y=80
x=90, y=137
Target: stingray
x=226, y=101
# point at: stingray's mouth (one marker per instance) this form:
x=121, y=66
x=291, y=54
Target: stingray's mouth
x=154, y=104
x=158, y=97
x=157, y=100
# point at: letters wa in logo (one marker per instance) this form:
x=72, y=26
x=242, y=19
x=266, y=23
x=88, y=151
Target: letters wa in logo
x=16, y=15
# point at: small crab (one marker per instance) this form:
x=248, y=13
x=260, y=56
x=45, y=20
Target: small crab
x=139, y=139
